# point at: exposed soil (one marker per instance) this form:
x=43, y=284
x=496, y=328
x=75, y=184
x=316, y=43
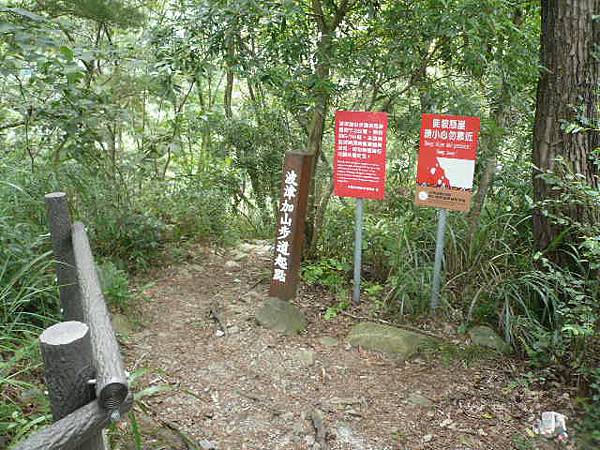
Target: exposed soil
x=251, y=388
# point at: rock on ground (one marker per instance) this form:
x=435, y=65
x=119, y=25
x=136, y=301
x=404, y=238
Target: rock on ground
x=387, y=339
x=417, y=399
x=328, y=341
x=486, y=337
x=281, y=316
x=305, y=357
x=122, y=325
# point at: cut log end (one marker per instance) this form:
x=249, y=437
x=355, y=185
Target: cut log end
x=55, y=195
x=64, y=333
x=113, y=395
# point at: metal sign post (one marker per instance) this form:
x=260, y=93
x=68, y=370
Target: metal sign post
x=445, y=169
x=359, y=169
x=439, y=255
x=358, y=226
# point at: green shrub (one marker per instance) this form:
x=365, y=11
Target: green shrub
x=331, y=274
x=588, y=430
x=115, y=285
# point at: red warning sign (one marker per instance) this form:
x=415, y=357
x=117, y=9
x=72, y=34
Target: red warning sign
x=447, y=154
x=359, y=161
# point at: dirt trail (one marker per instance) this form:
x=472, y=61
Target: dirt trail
x=254, y=389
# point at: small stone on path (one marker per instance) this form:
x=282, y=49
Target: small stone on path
x=346, y=435
x=232, y=265
x=239, y=256
x=417, y=399
x=305, y=357
x=207, y=445
x=328, y=341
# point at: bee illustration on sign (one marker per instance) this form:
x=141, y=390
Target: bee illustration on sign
x=447, y=154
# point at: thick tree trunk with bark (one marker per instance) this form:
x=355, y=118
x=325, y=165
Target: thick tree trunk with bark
x=324, y=54
x=567, y=91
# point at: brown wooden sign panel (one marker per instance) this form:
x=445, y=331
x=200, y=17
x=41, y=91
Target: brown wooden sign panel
x=442, y=197
x=289, y=229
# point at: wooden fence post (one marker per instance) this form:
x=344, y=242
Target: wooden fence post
x=68, y=368
x=60, y=229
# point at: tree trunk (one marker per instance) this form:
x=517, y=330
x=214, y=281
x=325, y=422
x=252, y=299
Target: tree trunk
x=324, y=55
x=567, y=91
x=320, y=210
x=228, y=94
x=490, y=159
x=316, y=129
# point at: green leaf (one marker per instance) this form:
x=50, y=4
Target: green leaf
x=67, y=53
x=7, y=28
x=153, y=390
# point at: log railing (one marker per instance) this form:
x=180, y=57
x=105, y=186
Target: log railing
x=83, y=368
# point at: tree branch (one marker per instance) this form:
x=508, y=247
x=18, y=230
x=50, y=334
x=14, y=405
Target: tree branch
x=319, y=16
x=12, y=125
x=340, y=13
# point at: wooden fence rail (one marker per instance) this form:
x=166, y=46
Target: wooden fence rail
x=111, y=381
x=83, y=368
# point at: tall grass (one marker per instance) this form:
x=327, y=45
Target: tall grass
x=495, y=277
x=28, y=303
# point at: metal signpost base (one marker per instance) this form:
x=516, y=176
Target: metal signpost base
x=439, y=255
x=357, y=249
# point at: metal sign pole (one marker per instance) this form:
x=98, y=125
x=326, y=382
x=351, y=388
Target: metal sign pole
x=358, y=225
x=439, y=255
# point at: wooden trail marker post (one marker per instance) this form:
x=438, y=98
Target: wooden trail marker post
x=289, y=229
x=447, y=154
x=359, y=169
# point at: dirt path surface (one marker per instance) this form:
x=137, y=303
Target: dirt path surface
x=245, y=387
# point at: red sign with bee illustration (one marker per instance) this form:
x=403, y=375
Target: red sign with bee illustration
x=447, y=154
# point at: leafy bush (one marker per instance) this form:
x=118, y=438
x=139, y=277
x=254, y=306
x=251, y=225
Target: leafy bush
x=134, y=238
x=200, y=206
x=588, y=430
x=115, y=285
x=331, y=274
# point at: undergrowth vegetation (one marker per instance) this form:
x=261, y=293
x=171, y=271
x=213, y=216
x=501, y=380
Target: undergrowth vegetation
x=130, y=230
x=166, y=123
